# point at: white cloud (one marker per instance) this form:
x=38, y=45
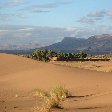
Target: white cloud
x=109, y=13
x=23, y=35
x=26, y=29
x=3, y=31
x=70, y=29
x=28, y=34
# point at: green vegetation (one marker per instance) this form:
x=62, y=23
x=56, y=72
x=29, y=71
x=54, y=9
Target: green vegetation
x=53, y=98
x=47, y=55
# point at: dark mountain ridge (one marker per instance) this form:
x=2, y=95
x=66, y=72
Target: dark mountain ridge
x=98, y=44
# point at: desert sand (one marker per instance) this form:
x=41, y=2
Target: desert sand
x=91, y=89
x=104, y=66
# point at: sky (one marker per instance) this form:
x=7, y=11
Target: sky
x=35, y=23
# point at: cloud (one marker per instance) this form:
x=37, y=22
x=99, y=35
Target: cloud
x=11, y=3
x=50, y=5
x=32, y=36
x=87, y=20
x=94, y=17
x=38, y=11
x=6, y=17
x=26, y=29
x=109, y=13
x=40, y=8
x=100, y=14
x=97, y=14
x=30, y=8
x=70, y=29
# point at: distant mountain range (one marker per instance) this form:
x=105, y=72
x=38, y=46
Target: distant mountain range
x=98, y=44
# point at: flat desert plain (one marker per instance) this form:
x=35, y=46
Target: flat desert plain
x=91, y=90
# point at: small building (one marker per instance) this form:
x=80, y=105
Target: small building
x=54, y=59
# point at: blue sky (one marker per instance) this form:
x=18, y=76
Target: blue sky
x=27, y=22
x=54, y=13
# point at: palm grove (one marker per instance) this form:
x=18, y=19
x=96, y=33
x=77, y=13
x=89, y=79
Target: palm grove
x=47, y=55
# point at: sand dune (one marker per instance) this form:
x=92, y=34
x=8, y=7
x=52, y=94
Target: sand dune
x=92, y=90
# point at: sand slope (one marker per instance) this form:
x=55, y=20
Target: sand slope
x=92, y=90
x=104, y=66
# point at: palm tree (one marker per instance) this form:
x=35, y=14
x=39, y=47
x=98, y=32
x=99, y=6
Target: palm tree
x=82, y=55
x=44, y=53
x=36, y=55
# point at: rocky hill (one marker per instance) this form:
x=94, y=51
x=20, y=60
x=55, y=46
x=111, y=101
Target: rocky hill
x=98, y=44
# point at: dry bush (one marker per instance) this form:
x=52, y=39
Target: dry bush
x=59, y=93
x=40, y=93
x=52, y=98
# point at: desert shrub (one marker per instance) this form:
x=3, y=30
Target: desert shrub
x=59, y=93
x=40, y=93
x=52, y=98
x=49, y=103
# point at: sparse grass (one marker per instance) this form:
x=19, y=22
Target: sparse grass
x=40, y=93
x=59, y=93
x=52, y=98
x=50, y=103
